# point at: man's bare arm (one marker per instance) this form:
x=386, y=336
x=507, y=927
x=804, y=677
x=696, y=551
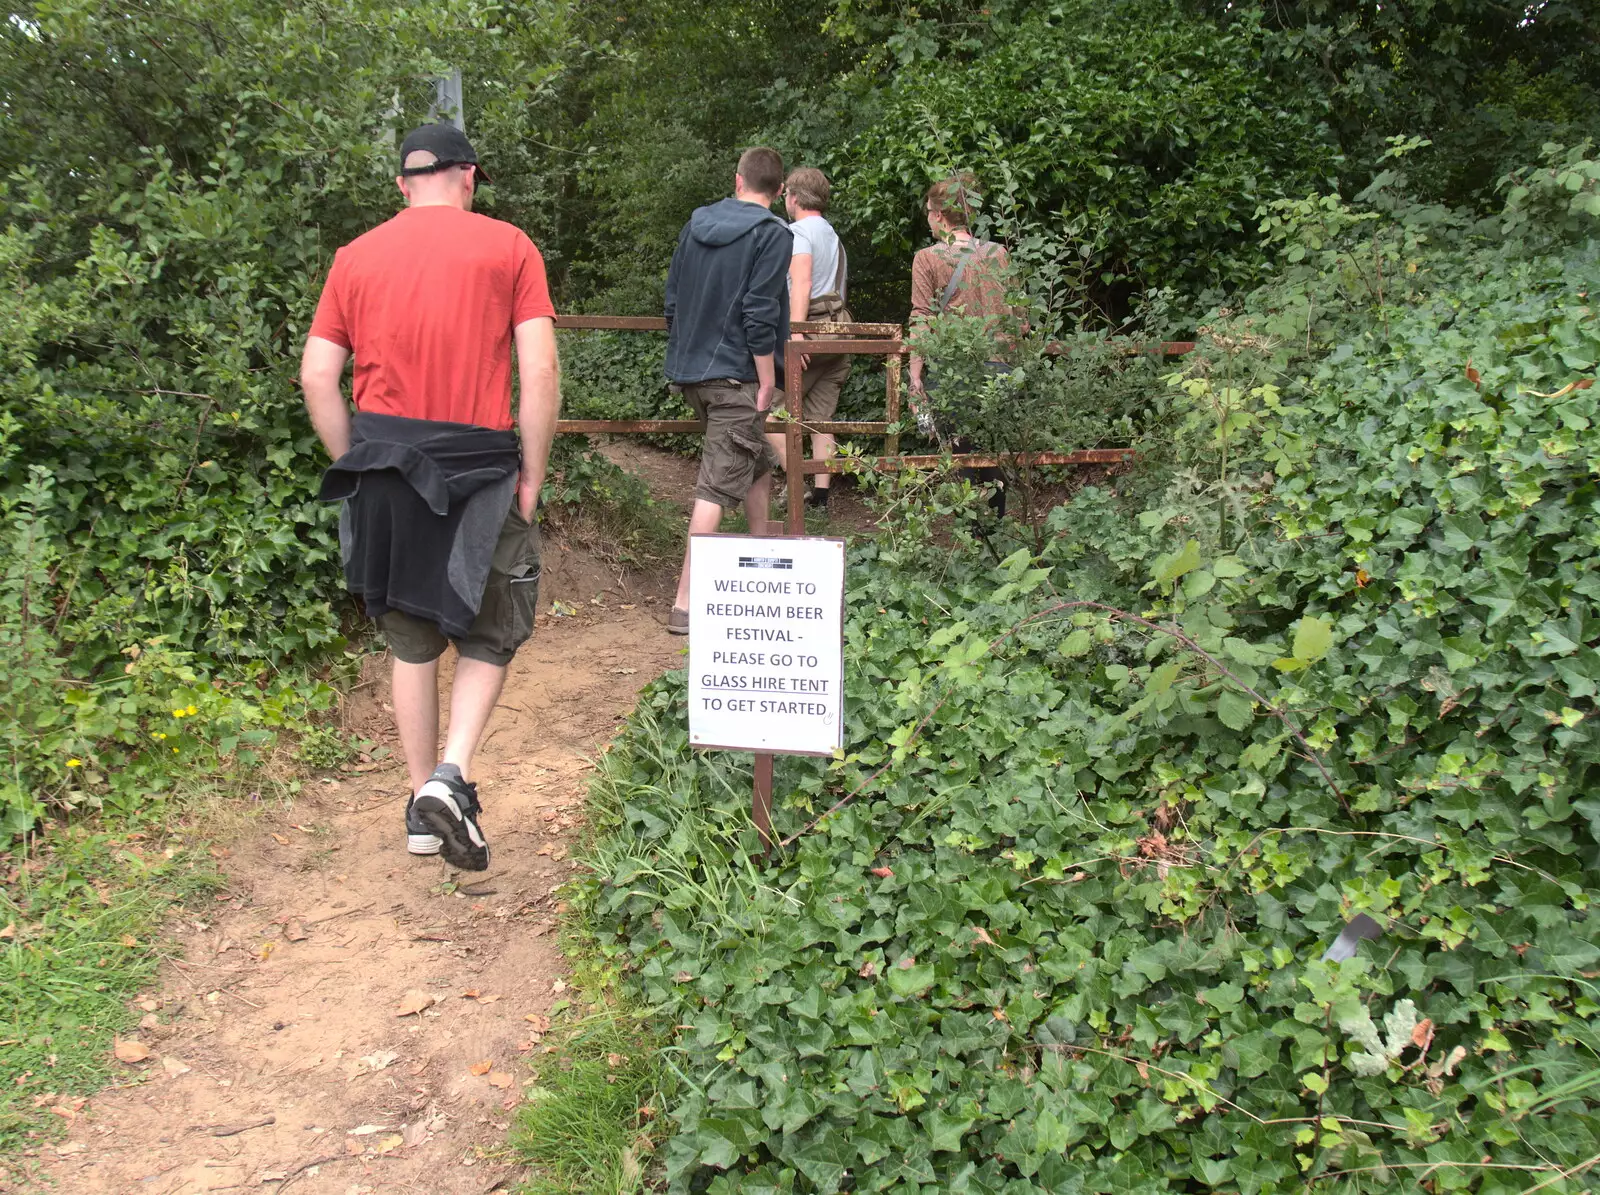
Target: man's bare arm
x=538, y=406
x=766, y=379
x=800, y=296
x=321, y=367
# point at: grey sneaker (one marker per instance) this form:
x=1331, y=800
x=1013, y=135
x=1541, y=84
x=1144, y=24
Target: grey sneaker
x=447, y=807
x=678, y=621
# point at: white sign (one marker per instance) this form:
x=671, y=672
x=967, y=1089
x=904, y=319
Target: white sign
x=766, y=644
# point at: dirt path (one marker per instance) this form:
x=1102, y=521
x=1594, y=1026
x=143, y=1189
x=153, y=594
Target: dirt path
x=277, y=1058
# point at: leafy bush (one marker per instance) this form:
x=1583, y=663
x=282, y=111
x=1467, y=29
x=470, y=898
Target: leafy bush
x=1122, y=147
x=1106, y=807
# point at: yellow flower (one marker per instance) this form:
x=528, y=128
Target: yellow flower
x=191, y=711
x=74, y=763
x=177, y=713
x=159, y=735
x=174, y=750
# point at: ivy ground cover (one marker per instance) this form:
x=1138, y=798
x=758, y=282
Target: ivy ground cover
x=1119, y=797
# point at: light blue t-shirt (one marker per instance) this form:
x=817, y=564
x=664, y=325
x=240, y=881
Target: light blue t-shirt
x=815, y=236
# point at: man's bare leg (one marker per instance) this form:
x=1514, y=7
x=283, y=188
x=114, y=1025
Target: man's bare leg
x=704, y=519
x=416, y=717
x=472, y=699
x=823, y=447
x=756, y=504
x=443, y=818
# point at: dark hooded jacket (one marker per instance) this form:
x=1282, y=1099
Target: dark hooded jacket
x=424, y=501
x=728, y=293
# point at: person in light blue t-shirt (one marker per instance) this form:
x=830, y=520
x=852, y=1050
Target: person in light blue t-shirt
x=817, y=283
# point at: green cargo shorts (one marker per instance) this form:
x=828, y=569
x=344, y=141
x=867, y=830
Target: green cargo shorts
x=735, y=453
x=505, y=618
x=821, y=384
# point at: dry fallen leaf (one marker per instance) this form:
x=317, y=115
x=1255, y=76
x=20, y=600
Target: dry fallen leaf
x=266, y=951
x=128, y=1050
x=380, y=1060
x=294, y=931
x=883, y=873
x=414, y=1003
x=149, y=1005
x=559, y=986
x=10, y=930
x=129, y=940
x=481, y=1068
x=282, y=841
x=540, y=1022
x=979, y=934
x=471, y=994
x=389, y=1144
x=174, y=1066
x=488, y=999
x=366, y=1130
x=500, y=1079
x=868, y=969
x=1422, y=1035
x=615, y=1060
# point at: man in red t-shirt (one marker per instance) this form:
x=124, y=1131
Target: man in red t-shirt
x=437, y=528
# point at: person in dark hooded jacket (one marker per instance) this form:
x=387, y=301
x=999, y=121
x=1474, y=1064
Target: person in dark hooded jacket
x=727, y=309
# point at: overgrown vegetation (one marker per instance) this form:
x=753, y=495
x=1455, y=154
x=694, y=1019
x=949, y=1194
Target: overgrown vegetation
x=78, y=940
x=1058, y=918
x=588, y=1126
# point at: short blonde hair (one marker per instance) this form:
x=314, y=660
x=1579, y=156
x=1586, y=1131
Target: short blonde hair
x=954, y=199
x=808, y=187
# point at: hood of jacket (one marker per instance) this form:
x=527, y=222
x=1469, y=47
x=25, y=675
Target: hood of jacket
x=727, y=220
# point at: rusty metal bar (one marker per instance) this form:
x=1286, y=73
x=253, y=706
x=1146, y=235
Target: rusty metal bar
x=839, y=348
x=612, y=323
x=885, y=464
x=655, y=323
x=631, y=427
x=761, y=799
x=690, y=427
x=794, y=443
x=891, y=404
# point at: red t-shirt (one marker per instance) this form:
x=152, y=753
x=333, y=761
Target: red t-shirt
x=426, y=303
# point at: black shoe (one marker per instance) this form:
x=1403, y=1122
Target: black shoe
x=447, y=806
x=419, y=839
x=818, y=499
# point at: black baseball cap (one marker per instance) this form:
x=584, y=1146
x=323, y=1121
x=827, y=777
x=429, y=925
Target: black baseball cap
x=446, y=143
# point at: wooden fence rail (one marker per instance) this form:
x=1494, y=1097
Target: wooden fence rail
x=853, y=339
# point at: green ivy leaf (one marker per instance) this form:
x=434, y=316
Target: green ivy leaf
x=1313, y=636
x=1235, y=710
x=1169, y=568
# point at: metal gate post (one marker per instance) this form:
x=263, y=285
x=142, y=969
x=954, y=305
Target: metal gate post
x=761, y=804
x=794, y=442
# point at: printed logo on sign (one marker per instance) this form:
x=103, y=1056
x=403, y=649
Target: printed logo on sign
x=766, y=562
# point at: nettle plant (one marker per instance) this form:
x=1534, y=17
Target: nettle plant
x=1060, y=917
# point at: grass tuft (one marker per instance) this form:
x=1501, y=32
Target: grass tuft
x=80, y=920
x=588, y=1125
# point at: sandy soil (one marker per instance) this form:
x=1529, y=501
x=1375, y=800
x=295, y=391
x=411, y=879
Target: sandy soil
x=346, y=1018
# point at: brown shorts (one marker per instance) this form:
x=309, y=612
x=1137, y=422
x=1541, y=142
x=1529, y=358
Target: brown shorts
x=821, y=384
x=505, y=619
x=735, y=453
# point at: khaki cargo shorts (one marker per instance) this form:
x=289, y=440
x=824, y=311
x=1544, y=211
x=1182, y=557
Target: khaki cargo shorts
x=735, y=453
x=505, y=619
x=820, y=386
